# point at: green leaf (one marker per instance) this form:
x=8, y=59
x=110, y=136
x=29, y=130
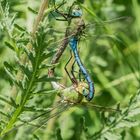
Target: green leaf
x=32, y=10
x=80, y=1
x=109, y=135
x=46, y=66
x=36, y=137
x=126, y=124
x=23, y=40
x=10, y=45
x=45, y=92
x=32, y=108
x=50, y=40
x=123, y=134
x=30, y=56
x=7, y=101
x=82, y=129
x=47, y=79
x=8, y=66
x=58, y=134
x=6, y=115
x=133, y=112
x=26, y=71
x=35, y=109
x=20, y=85
x=9, y=69
x=13, y=102
x=19, y=27
x=47, y=55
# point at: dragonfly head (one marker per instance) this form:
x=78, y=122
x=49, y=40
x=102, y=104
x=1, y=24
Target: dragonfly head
x=77, y=12
x=85, y=93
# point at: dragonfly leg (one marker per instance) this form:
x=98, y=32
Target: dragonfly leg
x=72, y=72
x=59, y=19
x=71, y=78
x=59, y=5
x=64, y=15
x=79, y=75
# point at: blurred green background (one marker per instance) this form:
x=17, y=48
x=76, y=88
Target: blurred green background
x=110, y=51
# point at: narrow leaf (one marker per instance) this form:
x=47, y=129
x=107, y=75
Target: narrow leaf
x=47, y=55
x=8, y=66
x=6, y=101
x=32, y=10
x=46, y=66
x=134, y=112
x=9, y=45
x=109, y=135
x=13, y=103
x=20, y=85
x=26, y=71
x=30, y=56
x=48, y=79
x=19, y=27
x=9, y=69
x=126, y=124
x=6, y=115
x=45, y=92
x=58, y=134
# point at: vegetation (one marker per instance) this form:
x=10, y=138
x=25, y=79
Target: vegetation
x=33, y=105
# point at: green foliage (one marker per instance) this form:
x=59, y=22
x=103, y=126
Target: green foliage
x=31, y=74
x=30, y=107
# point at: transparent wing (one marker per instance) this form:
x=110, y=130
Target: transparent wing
x=40, y=120
x=94, y=31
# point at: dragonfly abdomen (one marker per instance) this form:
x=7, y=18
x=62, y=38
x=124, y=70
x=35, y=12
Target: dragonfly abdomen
x=73, y=45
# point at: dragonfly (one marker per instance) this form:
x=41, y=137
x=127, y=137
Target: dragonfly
x=75, y=29
x=72, y=37
x=73, y=43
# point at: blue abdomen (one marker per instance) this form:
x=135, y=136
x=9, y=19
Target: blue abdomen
x=73, y=45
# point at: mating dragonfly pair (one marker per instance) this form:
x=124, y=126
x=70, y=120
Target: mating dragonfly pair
x=75, y=13
x=76, y=29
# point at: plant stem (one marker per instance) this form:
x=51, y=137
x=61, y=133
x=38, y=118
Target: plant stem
x=40, y=15
x=23, y=58
x=19, y=110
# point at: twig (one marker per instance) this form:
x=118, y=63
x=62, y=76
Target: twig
x=40, y=15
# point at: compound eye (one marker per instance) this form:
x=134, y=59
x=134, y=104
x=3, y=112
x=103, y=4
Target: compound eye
x=74, y=13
